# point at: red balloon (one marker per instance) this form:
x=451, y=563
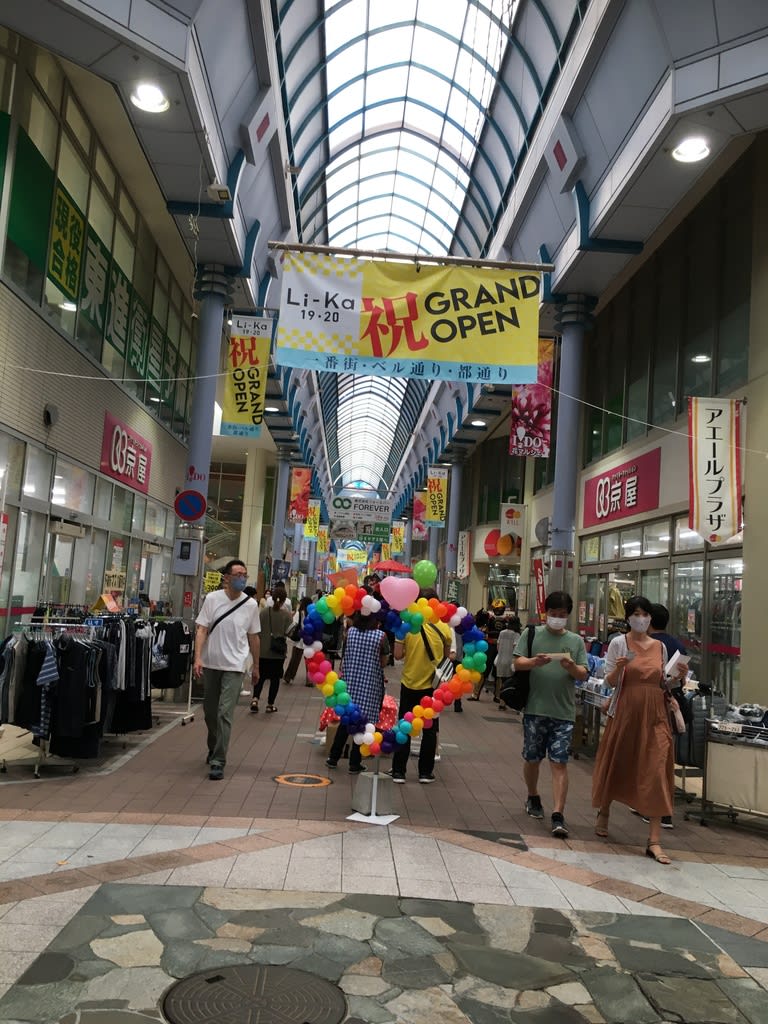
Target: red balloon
x=448, y=697
x=437, y=705
x=426, y=702
x=427, y=722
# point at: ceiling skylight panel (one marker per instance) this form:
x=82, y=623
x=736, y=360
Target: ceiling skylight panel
x=374, y=205
x=391, y=44
x=386, y=83
x=388, y=115
x=448, y=14
x=418, y=190
x=340, y=175
x=345, y=102
x=381, y=12
x=382, y=159
x=345, y=65
x=457, y=142
x=341, y=135
x=434, y=49
x=343, y=20
x=428, y=86
x=428, y=121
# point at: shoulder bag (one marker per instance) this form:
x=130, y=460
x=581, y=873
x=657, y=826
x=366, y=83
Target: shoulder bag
x=229, y=611
x=515, y=695
x=278, y=646
x=444, y=669
x=677, y=722
x=294, y=630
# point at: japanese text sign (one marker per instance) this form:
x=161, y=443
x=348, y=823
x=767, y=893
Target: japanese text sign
x=125, y=455
x=323, y=545
x=437, y=496
x=624, y=490
x=541, y=594
x=397, y=319
x=312, y=522
x=245, y=385
x=463, y=555
x=714, y=451
x=531, y=415
x=65, y=256
x=398, y=539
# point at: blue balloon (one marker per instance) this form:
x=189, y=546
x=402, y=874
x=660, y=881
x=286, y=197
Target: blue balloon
x=400, y=737
x=482, y=645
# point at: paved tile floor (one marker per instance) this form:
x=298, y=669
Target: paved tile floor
x=121, y=879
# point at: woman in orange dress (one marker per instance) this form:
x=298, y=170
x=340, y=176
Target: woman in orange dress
x=635, y=760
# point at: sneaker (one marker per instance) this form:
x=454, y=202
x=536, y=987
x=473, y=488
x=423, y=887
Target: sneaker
x=358, y=770
x=559, y=828
x=330, y=762
x=216, y=774
x=426, y=779
x=533, y=807
x=395, y=778
x=437, y=758
x=666, y=821
x=457, y=707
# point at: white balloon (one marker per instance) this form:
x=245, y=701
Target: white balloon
x=461, y=612
x=308, y=652
x=368, y=738
x=375, y=605
x=454, y=620
x=317, y=645
x=365, y=610
x=359, y=738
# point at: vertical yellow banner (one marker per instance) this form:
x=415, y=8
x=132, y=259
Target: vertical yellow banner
x=312, y=522
x=398, y=539
x=245, y=386
x=322, y=540
x=386, y=552
x=437, y=496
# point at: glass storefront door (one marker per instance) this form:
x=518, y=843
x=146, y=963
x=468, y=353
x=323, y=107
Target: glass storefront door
x=687, y=618
x=724, y=646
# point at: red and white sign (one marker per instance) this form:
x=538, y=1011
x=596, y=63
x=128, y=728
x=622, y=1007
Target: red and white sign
x=126, y=456
x=463, y=555
x=624, y=490
x=187, y=598
x=541, y=595
x=714, y=452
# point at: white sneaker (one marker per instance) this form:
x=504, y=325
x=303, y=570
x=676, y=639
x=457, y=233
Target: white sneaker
x=437, y=758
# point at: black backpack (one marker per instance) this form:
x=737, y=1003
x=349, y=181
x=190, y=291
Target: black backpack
x=515, y=695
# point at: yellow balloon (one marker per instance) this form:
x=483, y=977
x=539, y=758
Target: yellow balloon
x=418, y=711
x=331, y=678
x=365, y=750
x=416, y=726
x=339, y=593
x=378, y=737
x=327, y=688
x=413, y=608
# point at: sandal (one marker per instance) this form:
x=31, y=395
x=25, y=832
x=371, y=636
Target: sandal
x=271, y=708
x=254, y=707
x=601, y=829
x=660, y=857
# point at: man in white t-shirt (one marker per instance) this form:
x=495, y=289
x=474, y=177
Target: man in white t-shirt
x=227, y=631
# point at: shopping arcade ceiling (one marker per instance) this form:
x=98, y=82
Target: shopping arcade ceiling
x=404, y=136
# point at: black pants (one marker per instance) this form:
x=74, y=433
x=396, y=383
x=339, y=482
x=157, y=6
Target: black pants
x=408, y=701
x=297, y=656
x=337, y=748
x=271, y=669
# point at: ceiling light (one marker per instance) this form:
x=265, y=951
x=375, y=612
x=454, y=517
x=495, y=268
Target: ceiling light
x=68, y=307
x=477, y=423
x=271, y=408
x=691, y=150
x=152, y=398
x=701, y=358
x=149, y=98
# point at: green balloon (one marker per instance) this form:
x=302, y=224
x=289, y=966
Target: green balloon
x=425, y=573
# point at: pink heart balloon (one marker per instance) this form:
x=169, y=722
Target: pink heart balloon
x=399, y=591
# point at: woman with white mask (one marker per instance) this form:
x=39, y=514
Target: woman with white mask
x=635, y=760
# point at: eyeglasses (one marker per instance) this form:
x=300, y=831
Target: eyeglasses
x=241, y=575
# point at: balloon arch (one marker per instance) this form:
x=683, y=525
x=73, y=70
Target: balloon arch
x=401, y=611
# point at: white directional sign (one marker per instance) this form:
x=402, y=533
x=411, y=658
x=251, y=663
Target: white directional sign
x=360, y=510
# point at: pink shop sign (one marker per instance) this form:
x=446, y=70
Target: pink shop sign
x=126, y=456
x=622, y=491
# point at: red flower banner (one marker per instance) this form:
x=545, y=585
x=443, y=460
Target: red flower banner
x=532, y=409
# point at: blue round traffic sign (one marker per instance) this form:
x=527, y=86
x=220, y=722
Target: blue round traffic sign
x=190, y=505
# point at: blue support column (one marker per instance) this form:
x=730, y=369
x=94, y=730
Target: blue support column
x=574, y=317
x=281, y=506
x=452, y=529
x=298, y=536
x=312, y=564
x=408, y=542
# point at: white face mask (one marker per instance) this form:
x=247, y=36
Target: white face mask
x=639, y=623
x=554, y=623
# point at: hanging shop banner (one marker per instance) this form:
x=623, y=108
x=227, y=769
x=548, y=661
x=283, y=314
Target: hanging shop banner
x=298, y=505
x=463, y=555
x=281, y=571
x=386, y=552
x=322, y=540
x=356, y=509
x=419, y=530
x=333, y=563
x=407, y=320
x=67, y=247
x=312, y=522
x=398, y=540
x=373, y=533
x=714, y=453
x=353, y=555
x=513, y=519
x=437, y=496
x=531, y=419
x=245, y=385
x=343, y=578
x=624, y=490
x=541, y=595
x=126, y=456
x=494, y=545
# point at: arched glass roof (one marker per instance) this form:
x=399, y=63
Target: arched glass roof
x=394, y=147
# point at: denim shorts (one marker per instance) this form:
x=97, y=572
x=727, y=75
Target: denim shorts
x=546, y=737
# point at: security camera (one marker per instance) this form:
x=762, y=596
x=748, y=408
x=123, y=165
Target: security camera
x=219, y=193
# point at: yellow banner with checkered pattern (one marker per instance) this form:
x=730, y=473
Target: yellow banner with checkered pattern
x=399, y=319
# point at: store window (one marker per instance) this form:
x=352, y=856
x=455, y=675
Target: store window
x=37, y=473
x=31, y=551
x=102, y=503
x=725, y=582
x=614, y=373
x=105, y=171
x=733, y=328
x=666, y=338
x=12, y=515
x=590, y=550
x=687, y=621
x=643, y=327
x=154, y=521
x=687, y=539
x=72, y=487
x=656, y=538
x=609, y=547
x=94, y=575
x=11, y=466
x=76, y=121
x=139, y=511
x=122, y=509
x=702, y=272
x=631, y=544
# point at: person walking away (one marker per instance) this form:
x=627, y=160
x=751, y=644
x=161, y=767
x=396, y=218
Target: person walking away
x=275, y=621
x=558, y=659
x=635, y=759
x=366, y=652
x=505, y=657
x=295, y=643
x=420, y=652
x=227, y=632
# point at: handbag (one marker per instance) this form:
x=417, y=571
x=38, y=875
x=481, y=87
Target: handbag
x=515, y=695
x=444, y=669
x=278, y=647
x=294, y=632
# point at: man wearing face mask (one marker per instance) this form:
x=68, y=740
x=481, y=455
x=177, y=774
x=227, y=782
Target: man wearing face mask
x=227, y=630
x=558, y=659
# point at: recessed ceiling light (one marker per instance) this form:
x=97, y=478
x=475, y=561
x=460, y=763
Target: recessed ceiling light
x=153, y=399
x=68, y=307
x=691, y=150
x=149, y=98
x=477, y=423
x=701, y=359
x=271, y=408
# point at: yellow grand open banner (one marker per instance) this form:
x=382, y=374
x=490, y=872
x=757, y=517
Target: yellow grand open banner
x=398, y=539
x=402, y=320
x=245, y=386
x=312, y=522
x=437, y=496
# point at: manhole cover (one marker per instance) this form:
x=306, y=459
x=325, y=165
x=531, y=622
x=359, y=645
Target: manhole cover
x=254, y=994
x=302, y=779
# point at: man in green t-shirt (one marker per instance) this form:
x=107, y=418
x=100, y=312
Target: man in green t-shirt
x=558, y=659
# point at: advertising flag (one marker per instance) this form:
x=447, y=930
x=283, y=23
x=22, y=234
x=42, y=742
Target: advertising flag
x=400, y=319
x=386, y=552
x=437, y=496
x=531, y=419
x=298, y=506
x=398, y=539
x=419, y=531
x=312, y=522
x=513, y=519
x=245, y=385
x=322, y=540
x=714, y=452
x=463, y=555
